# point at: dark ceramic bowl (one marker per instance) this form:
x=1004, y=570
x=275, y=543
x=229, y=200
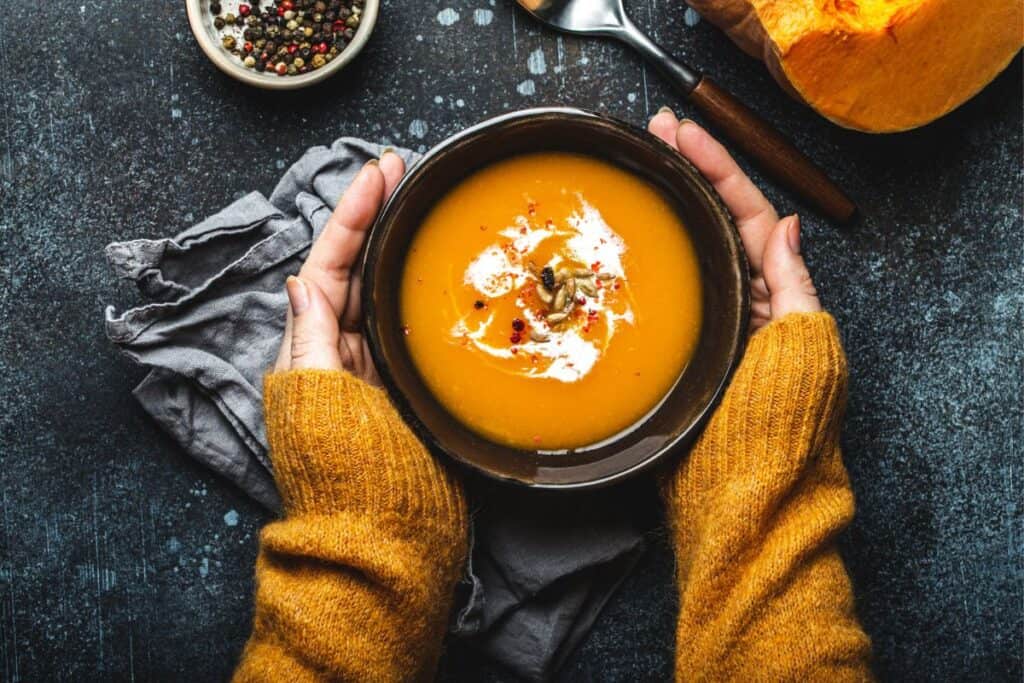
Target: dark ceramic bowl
x=668, y=428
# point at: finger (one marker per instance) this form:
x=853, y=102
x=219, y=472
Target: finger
x=755, y=216
x=315, y=331
x=330, y=261
x=354, y=361
x=370, y=376
x=352, y=317
x=284, y=354
x=664, y=125
x=760, y=304
x=393, y=168
x=785, y=273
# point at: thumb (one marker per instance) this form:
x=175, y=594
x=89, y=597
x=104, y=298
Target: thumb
x=315, y=327
x=785, y=274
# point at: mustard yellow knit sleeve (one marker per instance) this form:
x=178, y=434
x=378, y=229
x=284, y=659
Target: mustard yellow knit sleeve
x=754, y=512
x=355, y=582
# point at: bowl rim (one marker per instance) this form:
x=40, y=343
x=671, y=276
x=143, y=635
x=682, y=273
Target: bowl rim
x=232, y=67
x=368, y=272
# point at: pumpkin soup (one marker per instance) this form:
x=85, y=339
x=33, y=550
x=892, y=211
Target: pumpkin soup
x=551, y=300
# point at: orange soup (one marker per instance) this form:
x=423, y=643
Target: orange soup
x=551, y=300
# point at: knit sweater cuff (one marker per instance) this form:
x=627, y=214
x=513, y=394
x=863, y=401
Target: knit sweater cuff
x=784, y=403
x=337, y=443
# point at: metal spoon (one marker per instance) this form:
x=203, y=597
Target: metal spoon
x=759, y=140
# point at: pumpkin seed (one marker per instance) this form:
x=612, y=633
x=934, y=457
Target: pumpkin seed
x=544, y=295
x=583, y=273
x=560, y=298
x=555, y=318
x=534, y=270
x=538, y=335
x=605, y=276
x=562, y=274
x=587, y=287
x=570, y=288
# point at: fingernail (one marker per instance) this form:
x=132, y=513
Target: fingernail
x=666, y=110
x=387, y=150
x=372, y=162
x=793, y=234
x=686, y=120
x=298, y=296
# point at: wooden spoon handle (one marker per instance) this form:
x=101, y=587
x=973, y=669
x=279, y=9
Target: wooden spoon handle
x=772, y=152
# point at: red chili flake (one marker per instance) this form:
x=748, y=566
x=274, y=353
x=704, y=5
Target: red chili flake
x=244, y=10
x=522, y=231
x=615, y=286
x=531, y=208
x=536, y=439
x=405, y=330
x=478, y=304
x=515, y=338
x=596, y=266
x=549, y=222
x=580, y=300
x=518, y=325
x=515, y=350
x=483, y=227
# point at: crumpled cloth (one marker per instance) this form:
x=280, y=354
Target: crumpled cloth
x=542, y=564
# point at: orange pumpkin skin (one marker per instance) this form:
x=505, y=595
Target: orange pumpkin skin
x=879, y=66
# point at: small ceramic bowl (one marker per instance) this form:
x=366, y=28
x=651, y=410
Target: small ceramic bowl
x=676, y=421
x=209, y=38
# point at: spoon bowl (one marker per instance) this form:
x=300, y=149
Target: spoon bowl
x=606, y=17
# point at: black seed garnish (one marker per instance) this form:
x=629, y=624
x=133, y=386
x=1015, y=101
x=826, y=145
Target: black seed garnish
x=547, y=276
x=478, y=304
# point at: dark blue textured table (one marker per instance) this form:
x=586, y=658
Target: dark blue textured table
x=121, y=559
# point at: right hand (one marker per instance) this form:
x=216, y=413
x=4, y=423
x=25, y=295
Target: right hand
x=779, y=280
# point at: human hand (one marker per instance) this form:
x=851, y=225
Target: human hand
x=323, y=329
x=779, y=280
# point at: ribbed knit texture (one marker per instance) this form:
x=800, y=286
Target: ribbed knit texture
x=355, y=583
x=754, y=512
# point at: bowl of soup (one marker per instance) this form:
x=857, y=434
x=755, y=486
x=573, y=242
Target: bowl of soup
x=555, y=298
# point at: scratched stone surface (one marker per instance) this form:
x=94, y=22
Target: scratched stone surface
x=121, y=559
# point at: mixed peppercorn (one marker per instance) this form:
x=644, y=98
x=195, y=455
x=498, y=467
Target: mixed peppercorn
x=288, y=37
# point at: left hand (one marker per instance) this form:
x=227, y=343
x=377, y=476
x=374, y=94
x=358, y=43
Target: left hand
x=323, y=329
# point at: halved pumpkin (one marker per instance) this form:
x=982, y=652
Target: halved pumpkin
x=876, y=65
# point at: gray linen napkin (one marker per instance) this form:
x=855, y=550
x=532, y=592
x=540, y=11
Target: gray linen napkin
x=541, y=567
